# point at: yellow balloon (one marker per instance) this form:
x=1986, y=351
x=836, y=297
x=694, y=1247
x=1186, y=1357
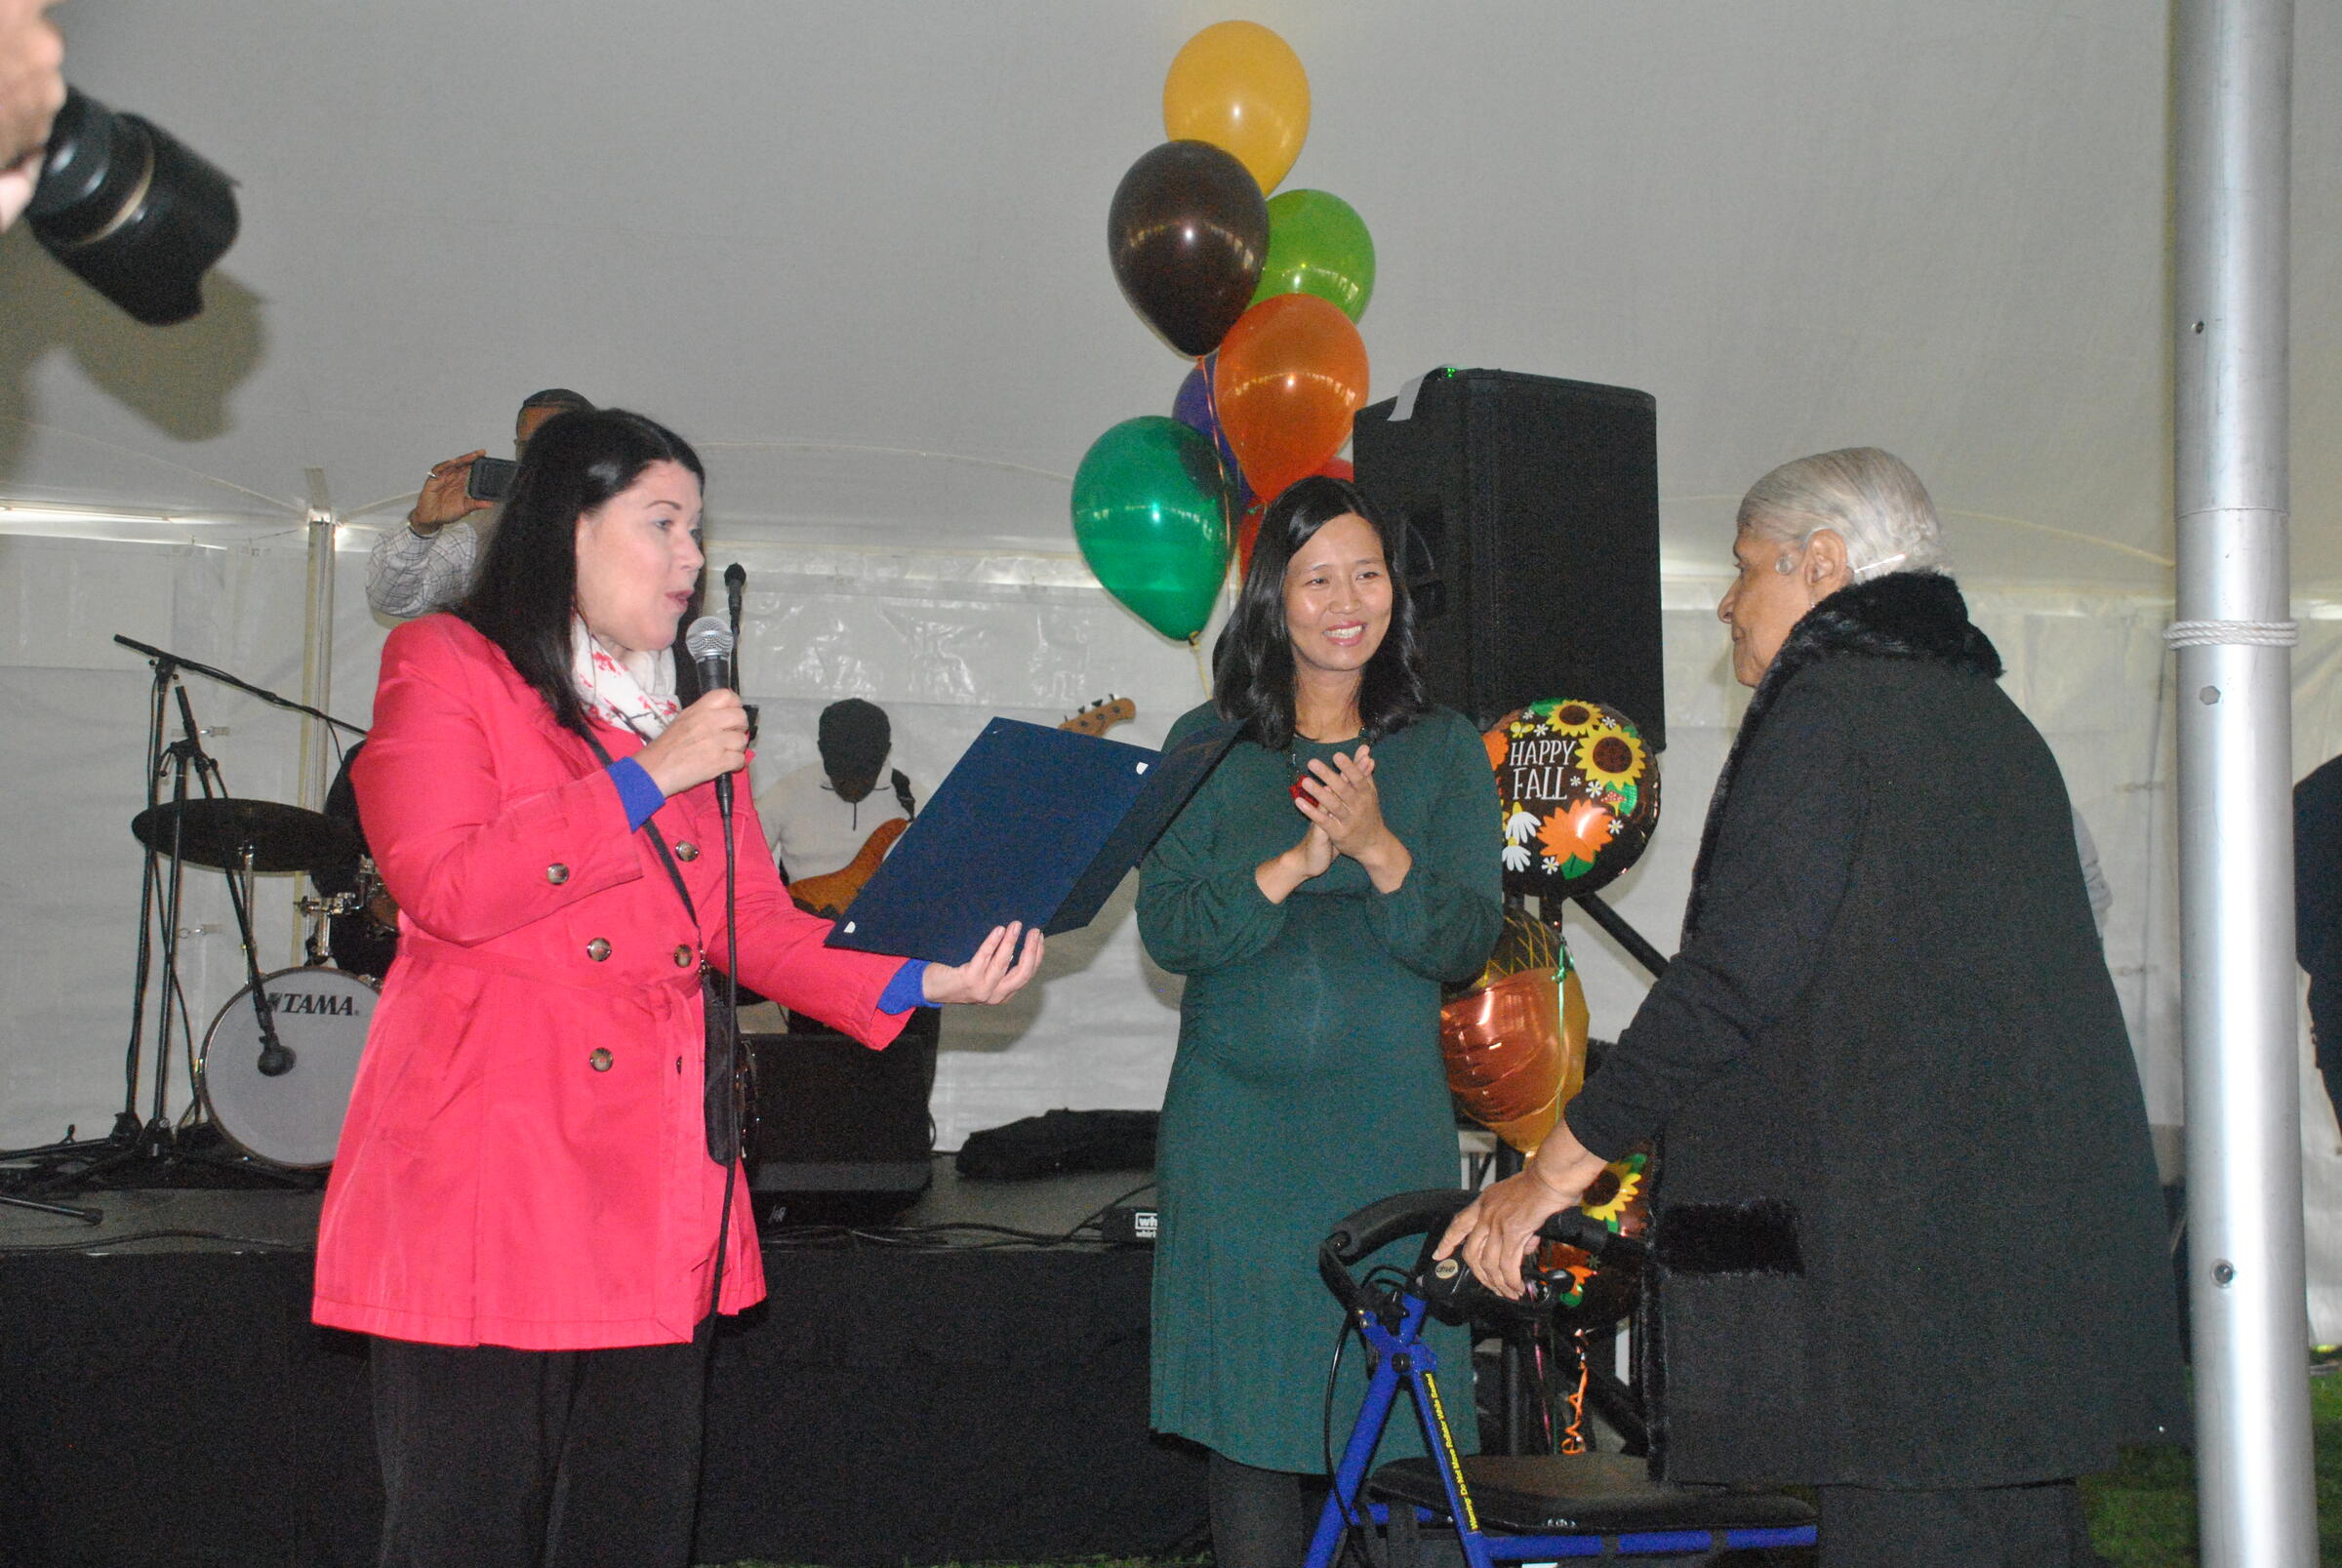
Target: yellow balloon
x=1242, y=88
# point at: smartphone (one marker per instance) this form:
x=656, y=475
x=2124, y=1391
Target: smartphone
x=491, y=478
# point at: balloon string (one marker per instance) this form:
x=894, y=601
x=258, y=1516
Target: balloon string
x=1228, y=480
x=1195, y=647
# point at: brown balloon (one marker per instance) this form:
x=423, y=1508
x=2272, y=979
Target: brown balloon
x=1186, y=234
x=1514, y=1041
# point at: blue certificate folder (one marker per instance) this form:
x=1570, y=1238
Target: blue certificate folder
x=1033, y=825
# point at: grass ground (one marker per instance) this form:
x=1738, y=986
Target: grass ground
x=2142, y=1512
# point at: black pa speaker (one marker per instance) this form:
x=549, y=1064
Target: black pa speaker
x=840, y=1131
x=1532, y=507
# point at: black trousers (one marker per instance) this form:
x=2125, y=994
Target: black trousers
x=539, y=1459
x=1260, y=1519
x=2038, y=1526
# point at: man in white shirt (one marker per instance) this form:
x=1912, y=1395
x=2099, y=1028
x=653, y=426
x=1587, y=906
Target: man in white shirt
x=427, y=565
x=818, y=818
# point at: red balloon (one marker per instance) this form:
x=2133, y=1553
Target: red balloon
x=1249, y=529
x=1247, y=532
x=1290, y=375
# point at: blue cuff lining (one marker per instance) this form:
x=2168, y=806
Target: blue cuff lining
x=635, y=790
x=908, y=989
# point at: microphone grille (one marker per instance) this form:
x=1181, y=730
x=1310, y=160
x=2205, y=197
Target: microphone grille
x=708, y=639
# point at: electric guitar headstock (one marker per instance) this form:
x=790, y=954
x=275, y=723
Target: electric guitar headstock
x=1102, y=715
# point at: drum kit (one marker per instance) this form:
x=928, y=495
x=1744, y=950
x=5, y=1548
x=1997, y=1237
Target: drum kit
x=274, y=1072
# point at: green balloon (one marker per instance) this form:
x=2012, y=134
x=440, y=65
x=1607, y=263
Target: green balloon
x=1150, y=514
x=1317, y=244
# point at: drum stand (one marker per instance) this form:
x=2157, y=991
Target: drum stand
x=156, y=1143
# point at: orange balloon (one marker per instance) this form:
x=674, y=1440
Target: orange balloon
x=1289, y=375
x=1242, y=88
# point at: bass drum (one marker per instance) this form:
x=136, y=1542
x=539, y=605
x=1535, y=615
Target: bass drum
x=294, y=1118
x=361, y=929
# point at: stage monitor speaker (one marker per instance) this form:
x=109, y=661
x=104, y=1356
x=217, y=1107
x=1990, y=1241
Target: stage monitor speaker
x=1533, y=558
x=840, y=1130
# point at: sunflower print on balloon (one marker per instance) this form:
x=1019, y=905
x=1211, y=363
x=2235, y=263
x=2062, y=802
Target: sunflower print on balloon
x=1581, y=795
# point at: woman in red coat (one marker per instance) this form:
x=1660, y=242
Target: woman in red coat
x=523, y=1209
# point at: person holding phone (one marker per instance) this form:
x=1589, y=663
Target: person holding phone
x=428, y=564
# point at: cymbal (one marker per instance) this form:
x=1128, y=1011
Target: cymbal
x=217, y=834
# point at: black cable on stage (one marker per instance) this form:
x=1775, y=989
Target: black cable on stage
x=108, y=1243
x=1098, y=1213
x=936, y=1236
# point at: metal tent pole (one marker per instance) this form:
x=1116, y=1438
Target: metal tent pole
x=2233, y=632
x=317, y=661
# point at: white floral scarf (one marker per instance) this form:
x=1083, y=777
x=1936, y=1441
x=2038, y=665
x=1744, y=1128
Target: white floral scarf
x=636, y=693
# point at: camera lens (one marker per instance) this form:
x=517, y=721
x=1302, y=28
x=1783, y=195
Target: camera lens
x=131, y=211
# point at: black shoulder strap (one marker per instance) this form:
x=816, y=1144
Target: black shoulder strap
x=724, y=1086
x=674, y=873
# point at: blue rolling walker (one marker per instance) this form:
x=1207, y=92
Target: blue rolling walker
x=1503, y=1509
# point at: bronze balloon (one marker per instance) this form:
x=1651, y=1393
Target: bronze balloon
x=1581, y=795
x=1515, y=1040
x=1186, y=234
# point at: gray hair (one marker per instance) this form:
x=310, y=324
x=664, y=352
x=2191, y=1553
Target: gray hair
x=1868, y=498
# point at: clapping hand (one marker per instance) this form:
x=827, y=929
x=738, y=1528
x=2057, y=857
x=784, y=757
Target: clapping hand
x=1340, y=799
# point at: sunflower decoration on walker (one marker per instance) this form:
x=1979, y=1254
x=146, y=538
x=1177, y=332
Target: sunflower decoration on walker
x=1579, y=789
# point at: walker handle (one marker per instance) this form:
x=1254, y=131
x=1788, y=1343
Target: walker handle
x=1404, y=1214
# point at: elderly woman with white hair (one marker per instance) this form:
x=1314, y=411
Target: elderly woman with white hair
x=1907, y=1246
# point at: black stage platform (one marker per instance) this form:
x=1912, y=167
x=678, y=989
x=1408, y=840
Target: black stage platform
x=166, y=1403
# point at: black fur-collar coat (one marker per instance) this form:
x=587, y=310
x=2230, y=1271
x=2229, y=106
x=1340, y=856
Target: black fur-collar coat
x=1909, y=1232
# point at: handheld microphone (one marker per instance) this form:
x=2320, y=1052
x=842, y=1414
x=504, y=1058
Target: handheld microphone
x=710, y=644
x=735, y=579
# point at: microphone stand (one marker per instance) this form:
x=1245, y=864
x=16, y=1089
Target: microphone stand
x=161, y=659
x=732, y=1116
x=75, y=1163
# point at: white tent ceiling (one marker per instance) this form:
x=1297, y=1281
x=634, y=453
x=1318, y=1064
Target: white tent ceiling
x=856, y=253
x=858, y=250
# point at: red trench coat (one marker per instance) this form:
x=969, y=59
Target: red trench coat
x=525, y=1160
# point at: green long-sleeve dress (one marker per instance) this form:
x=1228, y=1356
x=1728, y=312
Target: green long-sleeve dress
x=1307, y=1082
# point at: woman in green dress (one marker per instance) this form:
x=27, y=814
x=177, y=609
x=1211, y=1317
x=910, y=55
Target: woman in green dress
x=1332, y=872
